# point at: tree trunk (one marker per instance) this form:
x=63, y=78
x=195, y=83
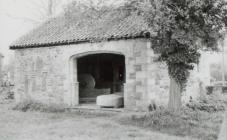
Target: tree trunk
x=50, y=8
x=174, y=95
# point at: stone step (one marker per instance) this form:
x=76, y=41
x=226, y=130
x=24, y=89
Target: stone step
x=87, y=100
x=94, y=107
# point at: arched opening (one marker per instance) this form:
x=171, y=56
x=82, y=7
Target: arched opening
x=100, y=74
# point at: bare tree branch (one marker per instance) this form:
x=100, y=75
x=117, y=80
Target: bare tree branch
x=21, y=18
x=39, y=10
x=50, y=8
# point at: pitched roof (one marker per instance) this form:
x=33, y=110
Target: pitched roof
x=61, y=31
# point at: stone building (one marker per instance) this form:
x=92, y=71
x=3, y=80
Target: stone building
x=118, y=59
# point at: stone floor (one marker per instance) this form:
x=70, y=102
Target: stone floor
x=93, y=106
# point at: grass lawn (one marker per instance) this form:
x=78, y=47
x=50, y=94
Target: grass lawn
x=17, y=125
x=198, y=121
x=200, y=125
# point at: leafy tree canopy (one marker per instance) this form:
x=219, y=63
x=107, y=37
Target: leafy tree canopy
x=182, y=28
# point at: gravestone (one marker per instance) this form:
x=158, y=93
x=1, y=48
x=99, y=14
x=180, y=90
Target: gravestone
x=223, y=134
x=1, y=65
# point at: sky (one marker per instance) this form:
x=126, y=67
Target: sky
x=15, y=20
x=10, y=28
x=14, y=15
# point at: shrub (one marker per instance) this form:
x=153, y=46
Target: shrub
x=6, y=94
x=209, y=89
x=224, y=89
x=165, y=121
x=31, y=105
x=200, y=119
x=187, y=122
x=210, y=103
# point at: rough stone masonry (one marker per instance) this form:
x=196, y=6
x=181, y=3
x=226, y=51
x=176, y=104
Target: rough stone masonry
x=49, y=74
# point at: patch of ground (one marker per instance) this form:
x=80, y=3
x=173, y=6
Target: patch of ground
x=16, y=125
x=202, y=125
x=199, y=119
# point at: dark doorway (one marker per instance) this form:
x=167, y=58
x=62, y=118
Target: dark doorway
x=100, y=74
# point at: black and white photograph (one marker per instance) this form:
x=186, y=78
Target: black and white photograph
x=113, y=69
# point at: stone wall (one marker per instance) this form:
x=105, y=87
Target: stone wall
x=148, y=80
x=49, y=74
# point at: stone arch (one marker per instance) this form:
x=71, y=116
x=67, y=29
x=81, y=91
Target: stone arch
x=74, y=84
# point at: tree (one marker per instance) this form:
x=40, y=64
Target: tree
x=87, y=13
x=179, y=29
x=89, y=7
x=38, y=11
